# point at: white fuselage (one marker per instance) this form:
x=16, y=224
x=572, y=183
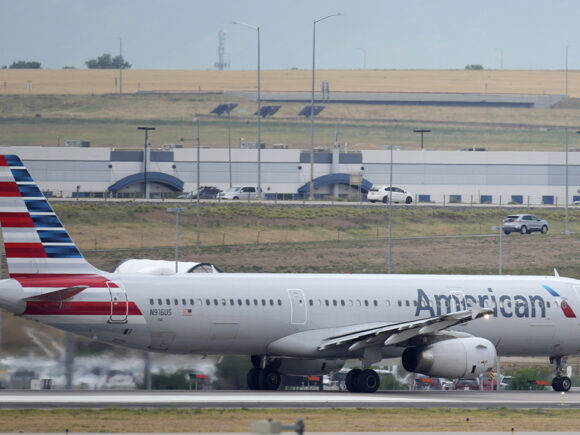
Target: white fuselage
x=254, y=313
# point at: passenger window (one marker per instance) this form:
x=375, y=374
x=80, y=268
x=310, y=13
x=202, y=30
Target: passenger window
x=199, y=302
x=264, y=302
x=159, y=302
x=408, y=304
x=342, y=302
x=388, y=303
x=318, y=302
x=375, y=303
x=548, y=304
x=366, y=303
x=232, y=302
x=350, y=302
x=191, y=302
x=215, y=302
x=334, y=302
x=239, y=302
x=167, y=302
x=357, y=303
x=326, y=302
x=280, y=302
x=175, y=301
x=310, y=302
x=223, y=302
x=256, y=302
x=183, y=302
x=399, y=303
x=207, y=302
x=151, y=302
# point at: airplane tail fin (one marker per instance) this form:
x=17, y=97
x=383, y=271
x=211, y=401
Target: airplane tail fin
x=35, y=241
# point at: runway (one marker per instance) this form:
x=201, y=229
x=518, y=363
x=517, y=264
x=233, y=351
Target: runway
x=287, y=399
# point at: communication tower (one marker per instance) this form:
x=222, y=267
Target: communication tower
x=221, y=63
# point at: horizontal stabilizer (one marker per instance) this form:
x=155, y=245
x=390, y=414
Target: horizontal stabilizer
x=59, y=295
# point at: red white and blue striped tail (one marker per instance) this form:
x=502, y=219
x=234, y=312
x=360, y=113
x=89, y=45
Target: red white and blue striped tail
x=36, y=243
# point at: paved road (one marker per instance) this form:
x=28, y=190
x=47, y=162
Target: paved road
x=286, y=399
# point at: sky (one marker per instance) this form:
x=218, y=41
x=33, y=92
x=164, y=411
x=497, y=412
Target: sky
x=376, y=34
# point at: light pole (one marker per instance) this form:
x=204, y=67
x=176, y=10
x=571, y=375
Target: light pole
x=259, y=112
x=177, y=210
x=500, y=229
x=390, y=242
x=145, y=159
x=422, y=131
x=196, y=120
x=312, y=101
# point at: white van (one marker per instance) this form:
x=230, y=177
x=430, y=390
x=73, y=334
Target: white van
x=383, y=193
x=241, y=192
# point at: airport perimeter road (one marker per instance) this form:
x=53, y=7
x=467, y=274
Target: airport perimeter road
x=287, y=399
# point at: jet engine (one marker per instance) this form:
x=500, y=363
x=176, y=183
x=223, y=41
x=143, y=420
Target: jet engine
x=453, y=358
x=304, y=367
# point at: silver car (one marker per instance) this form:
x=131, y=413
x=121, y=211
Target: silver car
x=524, y=224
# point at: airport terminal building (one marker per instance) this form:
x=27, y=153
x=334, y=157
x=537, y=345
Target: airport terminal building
x=431, y=176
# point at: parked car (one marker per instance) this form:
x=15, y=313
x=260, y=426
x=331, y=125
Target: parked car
x=383, y=194
x=205, y=192
x=467, y=384
x=524, y=223
x=241, y=192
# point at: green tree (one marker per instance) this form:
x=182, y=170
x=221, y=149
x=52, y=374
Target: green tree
x=231, y=373
x=23, y=64
x=525, y=379
x=106, y=61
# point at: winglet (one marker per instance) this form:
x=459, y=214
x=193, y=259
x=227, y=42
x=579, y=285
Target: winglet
x=556, y=274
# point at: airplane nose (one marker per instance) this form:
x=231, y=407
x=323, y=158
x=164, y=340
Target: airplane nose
x=12, y=296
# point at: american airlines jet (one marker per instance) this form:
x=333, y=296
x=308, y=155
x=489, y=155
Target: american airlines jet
x=449, y=326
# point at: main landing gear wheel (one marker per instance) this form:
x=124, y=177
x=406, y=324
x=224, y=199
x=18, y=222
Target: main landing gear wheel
x=362, y=381
x=267, y=378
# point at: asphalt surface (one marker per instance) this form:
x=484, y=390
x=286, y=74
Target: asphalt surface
x=288, y=399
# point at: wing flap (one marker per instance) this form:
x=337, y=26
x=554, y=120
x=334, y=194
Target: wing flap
x=398, y=333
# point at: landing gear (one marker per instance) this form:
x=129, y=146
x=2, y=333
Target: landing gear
x=362, y=381
x=263, y=378
x=560, y=382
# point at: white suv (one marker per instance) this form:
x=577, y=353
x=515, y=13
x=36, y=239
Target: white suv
x=241, y=192
x=383, y=193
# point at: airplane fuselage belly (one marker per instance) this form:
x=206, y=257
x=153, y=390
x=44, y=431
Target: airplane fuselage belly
x=226, y=313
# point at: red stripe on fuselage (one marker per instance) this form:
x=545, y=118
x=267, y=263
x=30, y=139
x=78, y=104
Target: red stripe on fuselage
x=25, y=250
x=61, y=280
x=9, y=188
x=3, y=161
x=81, y=308
x=16, y=220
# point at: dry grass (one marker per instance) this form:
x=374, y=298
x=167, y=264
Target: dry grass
x=332, y=420
x=87, y=82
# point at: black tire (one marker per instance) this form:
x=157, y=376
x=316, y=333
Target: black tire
x=269, y=379
x=368, y=381
x=253, y=378
x=506, y=231
x=385, y=199
x=556, y=384
x=565, y=384
x=372, y=200
x=408, y=200
x=524, y=230
x=544, y=229
x=351, y=381
x=235, y=197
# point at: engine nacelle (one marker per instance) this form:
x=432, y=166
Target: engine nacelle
x=305, y=367
x=453, y=358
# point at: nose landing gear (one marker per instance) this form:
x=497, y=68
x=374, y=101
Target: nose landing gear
x=560, y=382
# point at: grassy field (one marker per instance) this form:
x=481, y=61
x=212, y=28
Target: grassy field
x=112, y=121
x=315, y=420
x=95, y=82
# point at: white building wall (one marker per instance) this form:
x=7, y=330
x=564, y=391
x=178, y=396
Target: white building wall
x=438, y=174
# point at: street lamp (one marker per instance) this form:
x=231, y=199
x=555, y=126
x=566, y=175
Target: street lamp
x=312, y=101
x=421, y=130
x=176, y=210
x=390, y=243
x=258, y=113
x=500, y=229
x=145, y=159
x=196, y=120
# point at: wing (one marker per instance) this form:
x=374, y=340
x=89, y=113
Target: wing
x=400, y=333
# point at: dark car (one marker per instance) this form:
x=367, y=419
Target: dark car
x=205, y=192
x=467, y=384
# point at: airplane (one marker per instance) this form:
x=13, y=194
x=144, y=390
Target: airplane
x=450, y=326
